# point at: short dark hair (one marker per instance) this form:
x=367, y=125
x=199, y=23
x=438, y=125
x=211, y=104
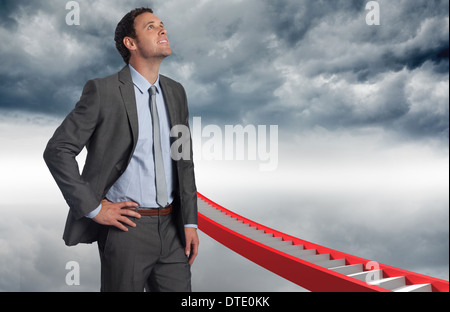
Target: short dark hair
x=125, y=28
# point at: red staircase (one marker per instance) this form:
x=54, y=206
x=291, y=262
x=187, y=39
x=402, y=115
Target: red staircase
x=308, y=265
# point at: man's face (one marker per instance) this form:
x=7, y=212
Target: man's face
x=151, y=37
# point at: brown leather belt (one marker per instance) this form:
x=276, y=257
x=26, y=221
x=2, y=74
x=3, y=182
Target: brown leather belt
x=154, y=211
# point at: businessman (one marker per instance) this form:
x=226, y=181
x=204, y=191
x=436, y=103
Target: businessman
x=132, y=197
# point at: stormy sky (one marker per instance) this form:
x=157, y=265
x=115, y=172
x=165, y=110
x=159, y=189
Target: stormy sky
x=362, y=114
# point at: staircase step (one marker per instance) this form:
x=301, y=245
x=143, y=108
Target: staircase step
x=390, y=283
x=368, y=276
x=315, y=258
x=301, y=252
x=331, y=263
x=415, y=288
x=237, y=226
x=251, y=231
x=291, y=248
x=348, y=269
x=278, y=244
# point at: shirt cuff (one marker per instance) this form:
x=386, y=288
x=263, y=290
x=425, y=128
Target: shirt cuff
x=94, y=213
x=191, y=225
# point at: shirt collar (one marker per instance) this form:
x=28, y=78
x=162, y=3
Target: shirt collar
x=140, y=82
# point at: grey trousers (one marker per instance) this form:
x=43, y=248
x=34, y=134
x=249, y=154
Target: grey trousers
x=148, y=257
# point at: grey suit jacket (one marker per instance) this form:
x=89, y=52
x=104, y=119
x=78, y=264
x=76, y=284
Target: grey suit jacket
x=105, y=122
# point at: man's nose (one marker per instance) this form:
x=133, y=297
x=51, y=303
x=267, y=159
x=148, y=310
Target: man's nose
x=162, y=31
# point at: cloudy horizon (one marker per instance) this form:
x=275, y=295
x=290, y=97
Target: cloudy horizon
x=362, y=116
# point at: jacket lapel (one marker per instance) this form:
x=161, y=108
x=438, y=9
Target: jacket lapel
x=127, y=91
x=170, y=101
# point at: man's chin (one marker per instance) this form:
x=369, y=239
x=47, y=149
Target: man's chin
x=168, y=52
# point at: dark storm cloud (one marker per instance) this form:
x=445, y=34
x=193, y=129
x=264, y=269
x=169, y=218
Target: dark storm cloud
x=293, y=19
x=48, y=61
x=298, y=64
x=301, y=64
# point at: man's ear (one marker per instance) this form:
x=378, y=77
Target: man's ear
x=129, y=43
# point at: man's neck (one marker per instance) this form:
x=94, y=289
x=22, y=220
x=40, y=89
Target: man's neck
x=149, y=70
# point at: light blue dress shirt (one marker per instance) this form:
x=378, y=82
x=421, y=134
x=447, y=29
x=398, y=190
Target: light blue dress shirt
x=137, y=183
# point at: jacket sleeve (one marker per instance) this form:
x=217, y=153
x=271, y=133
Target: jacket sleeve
x=67, y=142
x=188, y=189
